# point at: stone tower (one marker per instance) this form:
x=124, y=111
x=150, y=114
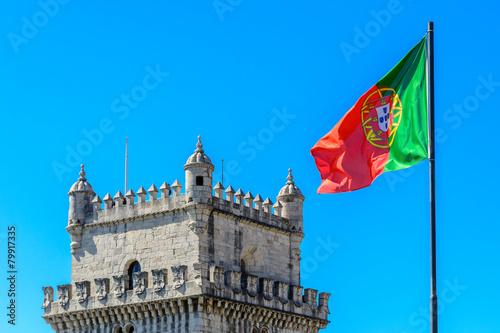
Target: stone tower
x=192, y=262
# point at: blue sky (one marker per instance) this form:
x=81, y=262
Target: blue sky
x=261, y=82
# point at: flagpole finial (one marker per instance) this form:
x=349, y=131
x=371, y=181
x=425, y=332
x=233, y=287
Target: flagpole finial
x=82, y=173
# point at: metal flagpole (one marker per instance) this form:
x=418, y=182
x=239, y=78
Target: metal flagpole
x=432, y=177
x=126, y=163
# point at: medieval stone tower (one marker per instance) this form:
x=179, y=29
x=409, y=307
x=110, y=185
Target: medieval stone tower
x=192, y=262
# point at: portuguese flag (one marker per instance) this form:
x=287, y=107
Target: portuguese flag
x=385, y=130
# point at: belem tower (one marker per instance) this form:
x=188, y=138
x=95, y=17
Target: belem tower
x=193, y=262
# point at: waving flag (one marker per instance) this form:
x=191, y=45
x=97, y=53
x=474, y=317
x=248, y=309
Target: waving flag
x=385, y=130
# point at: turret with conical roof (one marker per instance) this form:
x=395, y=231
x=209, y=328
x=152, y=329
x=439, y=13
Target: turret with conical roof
x=80, y=199
x=81, y=195
x=292, y=200
x=199, y=169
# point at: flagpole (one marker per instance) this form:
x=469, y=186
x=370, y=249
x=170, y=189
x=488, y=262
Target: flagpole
x=126, y=164
x=432, y=183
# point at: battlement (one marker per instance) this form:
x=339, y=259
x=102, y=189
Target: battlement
x=90, y=210
x=148, y=204
x=129, y=208
x=254, y=209
x=165, y=292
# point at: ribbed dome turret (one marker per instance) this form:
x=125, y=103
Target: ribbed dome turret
x=199, y=155
x=290, y=189
x=81, y=185
x=198, y=170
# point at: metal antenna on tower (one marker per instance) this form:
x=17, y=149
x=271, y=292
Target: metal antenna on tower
x=126, y=163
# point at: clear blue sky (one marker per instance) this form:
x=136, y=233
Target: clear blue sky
x=261, y=82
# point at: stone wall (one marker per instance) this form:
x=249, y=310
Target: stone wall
x=155, y=243
x=266, y=251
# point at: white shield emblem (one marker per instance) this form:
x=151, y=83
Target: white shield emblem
x=383, y=113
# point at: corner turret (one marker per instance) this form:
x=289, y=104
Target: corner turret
x=80, y=199
x=80, y=203
x=292, y=200
x=199, y=169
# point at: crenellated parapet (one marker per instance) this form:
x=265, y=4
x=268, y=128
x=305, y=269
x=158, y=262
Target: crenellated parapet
x=285, y=213
x=89, y=210
x=246, y=206
x=144, y=204
x=166, y=292
x=265, y=292
x=111, y=291
x=174, y=311
x=136, y=205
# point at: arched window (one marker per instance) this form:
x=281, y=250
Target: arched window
x=255, y=330
x=118, y=329
x=133, y=268
x=252, y=261
x=264, y=330
x=199, y=180
x=243, y=266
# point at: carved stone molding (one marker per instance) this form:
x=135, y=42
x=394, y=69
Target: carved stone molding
x=75, y=233
x=218, y=277
x=48, y=296
x=63, y=294
x=159, y=279
x=140, y=282
x=198, y=227
x=89, y=319
x=250, y=283
x=101, y=288
x=281, y=291
x=310, y=298
x=198, y=214
x=261, y=316
x=297, y=295
x=323, y=302
x=82, y=291
x=296, y=253
x=276, y=293
x=178, y=276
x=234, y=281
x=266, y=287
x=119, y=285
